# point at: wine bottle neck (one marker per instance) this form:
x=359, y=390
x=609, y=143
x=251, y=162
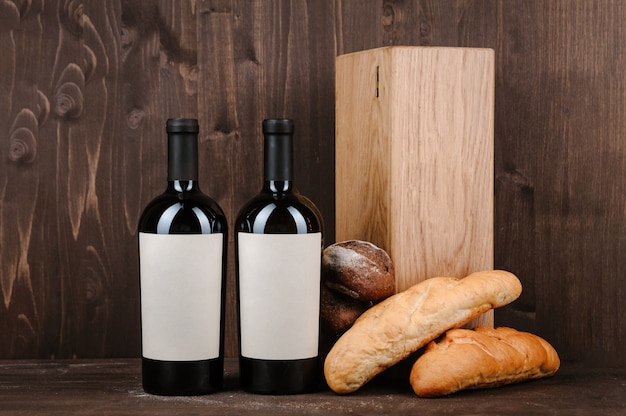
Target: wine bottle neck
x=278, y=187
x=182, y=163
x=278, y=155
x=278, y=158
x=178, y=186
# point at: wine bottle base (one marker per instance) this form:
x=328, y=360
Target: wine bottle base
x=182, y=378
x=279, y=377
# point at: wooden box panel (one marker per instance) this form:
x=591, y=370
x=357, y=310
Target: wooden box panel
x=415, y=158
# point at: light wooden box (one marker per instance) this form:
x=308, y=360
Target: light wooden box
x=415, y=158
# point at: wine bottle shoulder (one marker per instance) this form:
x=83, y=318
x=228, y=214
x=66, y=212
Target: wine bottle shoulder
x=290, y=213
x=183, y=213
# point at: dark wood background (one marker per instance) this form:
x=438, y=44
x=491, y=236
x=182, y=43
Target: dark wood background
x=86, y=87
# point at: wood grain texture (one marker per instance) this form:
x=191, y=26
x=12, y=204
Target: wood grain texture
x=75, y=173
x=113, y=387
x=561, y=161
x=414, y=147
x=451, y=145
x=86, y=89
x=58, y=274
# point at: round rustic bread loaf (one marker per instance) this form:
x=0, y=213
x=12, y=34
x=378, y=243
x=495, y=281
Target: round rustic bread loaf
x=338, y=312
x=358, y=269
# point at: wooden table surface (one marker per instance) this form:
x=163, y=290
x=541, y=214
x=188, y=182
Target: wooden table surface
x=113, y=387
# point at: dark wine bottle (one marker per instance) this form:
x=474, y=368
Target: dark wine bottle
x=278, y=249
x=182, y=250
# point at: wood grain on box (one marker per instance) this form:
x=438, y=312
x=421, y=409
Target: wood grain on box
x=414, y=158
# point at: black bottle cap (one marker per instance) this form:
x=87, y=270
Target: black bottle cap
x=277, y=126
x=182, y=125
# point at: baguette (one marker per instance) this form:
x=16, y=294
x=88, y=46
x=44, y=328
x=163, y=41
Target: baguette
x=480, y=358
x=403, y=323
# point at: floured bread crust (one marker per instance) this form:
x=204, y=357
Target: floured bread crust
x=480, y=358
x=358, y=269
x=398, y=326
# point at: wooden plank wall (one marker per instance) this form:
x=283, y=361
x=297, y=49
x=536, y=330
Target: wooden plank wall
x=86, y=87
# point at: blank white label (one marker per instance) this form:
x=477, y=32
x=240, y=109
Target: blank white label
x=181, y=284
x=279, y=284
